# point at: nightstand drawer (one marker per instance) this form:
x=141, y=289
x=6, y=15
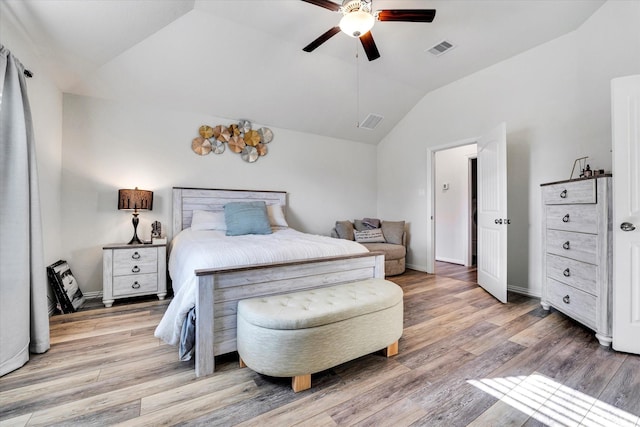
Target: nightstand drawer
x=578, y=246
x=133, y=285
x=568, y=193
x=135, y=261
x=581, y=218
x=580, y=275
x=573, y=302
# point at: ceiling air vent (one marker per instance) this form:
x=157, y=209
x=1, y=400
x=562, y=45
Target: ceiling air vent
x=440, y=48
x=371, y=121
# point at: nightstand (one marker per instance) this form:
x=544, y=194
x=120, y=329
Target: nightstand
x=133, y=270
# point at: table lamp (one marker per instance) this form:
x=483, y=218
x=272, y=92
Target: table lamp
x=137, y=200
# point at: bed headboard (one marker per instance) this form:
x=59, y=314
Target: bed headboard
x=186, y=200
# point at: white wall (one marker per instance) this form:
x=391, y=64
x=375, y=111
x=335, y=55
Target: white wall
x=452, y=205
x=46, y=110
x=110, y=145
x=555, y=100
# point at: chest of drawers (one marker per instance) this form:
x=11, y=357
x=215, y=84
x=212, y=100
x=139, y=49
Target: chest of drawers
x=133, y=270
x=577, y=241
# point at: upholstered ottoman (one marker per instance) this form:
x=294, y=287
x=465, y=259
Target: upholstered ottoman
x=301, y=333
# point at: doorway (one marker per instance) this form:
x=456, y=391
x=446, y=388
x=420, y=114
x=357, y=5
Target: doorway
x=455, y=197
x=492, y=219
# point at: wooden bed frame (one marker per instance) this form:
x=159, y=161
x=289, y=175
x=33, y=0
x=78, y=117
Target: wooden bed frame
x=220, y=289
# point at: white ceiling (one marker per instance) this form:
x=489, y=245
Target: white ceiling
x=243, y=58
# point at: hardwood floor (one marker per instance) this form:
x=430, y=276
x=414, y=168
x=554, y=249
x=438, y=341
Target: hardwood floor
x=464, y=359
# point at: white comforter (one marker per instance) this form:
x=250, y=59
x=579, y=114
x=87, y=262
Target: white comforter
x=193, y=250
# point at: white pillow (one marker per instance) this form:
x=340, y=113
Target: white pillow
x=206, y=220
x=276, y=216
x=369, y=236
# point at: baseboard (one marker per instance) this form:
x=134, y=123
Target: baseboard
x=523, y=291
x=417, y=267
x=450, y=260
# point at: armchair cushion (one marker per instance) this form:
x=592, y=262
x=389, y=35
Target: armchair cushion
x=393, y=231
x=344, y=230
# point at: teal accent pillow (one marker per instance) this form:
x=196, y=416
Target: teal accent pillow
x=246, y=218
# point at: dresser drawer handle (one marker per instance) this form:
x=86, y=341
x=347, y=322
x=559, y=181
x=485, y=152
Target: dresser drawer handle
x=136, y=285
x=565, y=218
x=566, y=273
x=566, y=299
x=135, y=269
x=566, y=245
x=135, y=255
x=563, y=194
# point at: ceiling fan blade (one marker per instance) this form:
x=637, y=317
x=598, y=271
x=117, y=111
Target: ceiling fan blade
x=369, y=46
x=325, y=3
x=323, y=38
x=406, y=15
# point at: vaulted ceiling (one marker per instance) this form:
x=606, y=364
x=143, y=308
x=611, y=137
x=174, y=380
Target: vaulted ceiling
x=243, y=58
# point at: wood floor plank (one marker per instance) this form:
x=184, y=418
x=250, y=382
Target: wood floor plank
x=465, y=359
x=102, y=401
x=623, y=391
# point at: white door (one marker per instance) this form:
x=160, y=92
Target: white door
x=625, y=103
x=492, y=212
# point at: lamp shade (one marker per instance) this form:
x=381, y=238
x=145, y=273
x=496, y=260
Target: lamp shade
x=356, y=24
x=135, y=199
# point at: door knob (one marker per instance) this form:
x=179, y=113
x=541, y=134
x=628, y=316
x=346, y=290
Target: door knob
x=627, y=226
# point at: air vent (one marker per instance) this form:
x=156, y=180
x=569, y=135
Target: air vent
x=371, y=121
x=440, y=48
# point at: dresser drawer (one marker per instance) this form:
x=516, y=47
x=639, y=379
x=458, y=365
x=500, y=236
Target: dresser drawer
x=568, y=193
x=572, y=302
x=580, y=275
x=578, y=246
x=135, y=284
x=582, y=218
x=135, y=261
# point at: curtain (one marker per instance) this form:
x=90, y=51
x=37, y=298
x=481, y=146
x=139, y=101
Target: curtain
x=24, y=316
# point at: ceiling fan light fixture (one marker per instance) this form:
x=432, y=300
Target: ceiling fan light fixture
x=357, y=23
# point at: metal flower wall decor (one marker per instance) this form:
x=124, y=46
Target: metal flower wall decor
x=250, y=144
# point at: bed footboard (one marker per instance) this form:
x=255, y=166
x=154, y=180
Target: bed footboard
x=219, y=291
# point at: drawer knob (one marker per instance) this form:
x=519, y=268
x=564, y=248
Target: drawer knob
x=566, y=245
x=136, y=285
x=135, y=269
x=565, y=218
x=566, y=299
x=135, y=255
x=563, y=194
x=566, y=273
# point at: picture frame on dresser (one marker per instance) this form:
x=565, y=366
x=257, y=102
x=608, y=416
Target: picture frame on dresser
x=577, y=256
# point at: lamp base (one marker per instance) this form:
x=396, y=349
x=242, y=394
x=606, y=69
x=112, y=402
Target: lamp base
x=135, y=239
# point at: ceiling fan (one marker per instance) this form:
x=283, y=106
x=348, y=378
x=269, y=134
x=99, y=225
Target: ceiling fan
x=357, y=21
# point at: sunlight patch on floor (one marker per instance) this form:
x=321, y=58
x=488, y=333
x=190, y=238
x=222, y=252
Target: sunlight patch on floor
x=552, y=403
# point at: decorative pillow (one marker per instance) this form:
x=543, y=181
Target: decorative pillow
x=371, y=223
x=344, y=229
x=207, y=220
x=246, y=218
x=369, y=236
x=358, y=225
x=393, y=231
x=276, y=216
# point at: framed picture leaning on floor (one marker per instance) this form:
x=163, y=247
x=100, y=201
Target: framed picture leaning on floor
x=65, y=287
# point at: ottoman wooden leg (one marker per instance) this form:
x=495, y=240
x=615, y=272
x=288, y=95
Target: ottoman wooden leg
x=241, y=362
x=301, y=383
x=391, y=350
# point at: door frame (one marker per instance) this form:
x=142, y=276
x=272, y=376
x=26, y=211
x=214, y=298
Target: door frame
x=469, y=258
x=431, y=197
